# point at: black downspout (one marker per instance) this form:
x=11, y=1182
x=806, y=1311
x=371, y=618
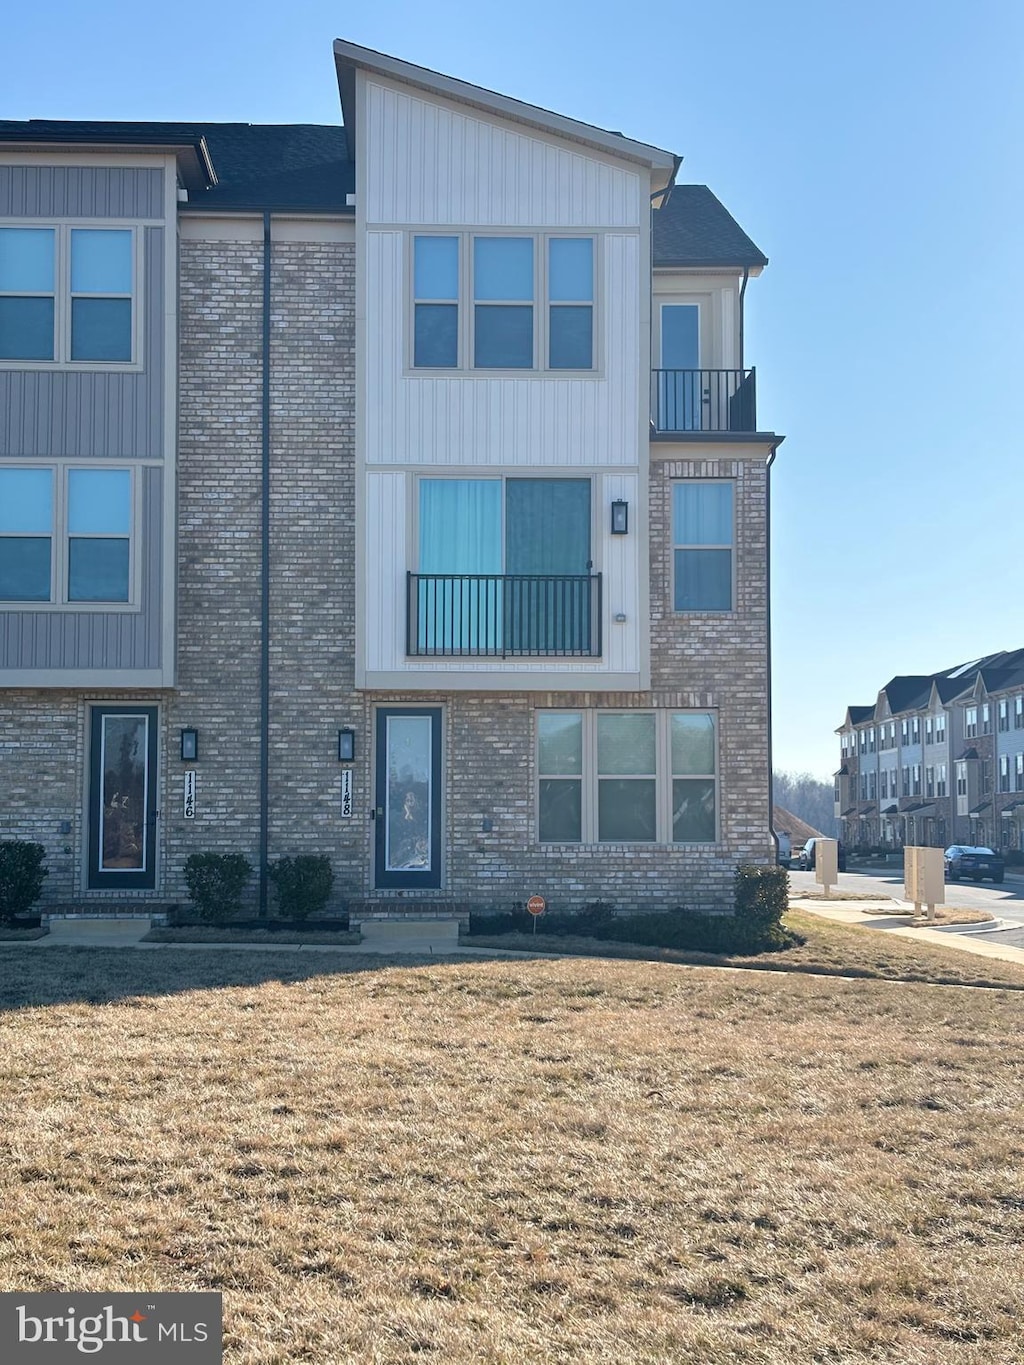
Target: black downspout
x=265, y=583
x=743, y=290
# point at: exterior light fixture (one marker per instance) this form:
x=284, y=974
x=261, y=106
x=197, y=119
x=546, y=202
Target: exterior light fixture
x=620, y=517
x=346, y=746
x=189, y=745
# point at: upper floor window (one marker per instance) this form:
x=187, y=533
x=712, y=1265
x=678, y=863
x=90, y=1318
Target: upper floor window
x=67, y=295
x=915, y=730
x=532, y=302
x=702, y=546
x=986, y=719
x=928, y=730
x=971, y=722
x=1004, y=714
x=1018, y=713
x=904, y=732
x=871, y=740
x=65, y=534
x=940, y=729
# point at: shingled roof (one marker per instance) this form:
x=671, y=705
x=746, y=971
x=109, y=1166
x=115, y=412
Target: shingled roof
x=695, y=229
x=306, y=168
x=287, y=167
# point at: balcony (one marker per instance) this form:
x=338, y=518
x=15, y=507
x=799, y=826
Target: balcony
x=703, y=401
x=503, y=616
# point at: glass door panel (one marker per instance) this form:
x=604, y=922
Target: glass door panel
x=679, y=386
x=547, y=545
x=408, y=811
x=122, y=799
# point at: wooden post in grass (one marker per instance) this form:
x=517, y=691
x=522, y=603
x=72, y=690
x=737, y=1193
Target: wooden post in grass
x=923, y=878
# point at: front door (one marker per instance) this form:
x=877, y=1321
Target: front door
x=407, y=813
x=122, y=798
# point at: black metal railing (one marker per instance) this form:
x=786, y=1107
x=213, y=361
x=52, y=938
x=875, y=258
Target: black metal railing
x=503, y=616
x=703, y=400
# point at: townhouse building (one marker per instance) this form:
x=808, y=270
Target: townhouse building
x=391, y=490
x=937, y=760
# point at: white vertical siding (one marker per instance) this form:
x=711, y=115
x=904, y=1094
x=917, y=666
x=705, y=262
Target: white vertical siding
x=385, y=528
x=620, y=575
x=533, y=420
x=430, y=162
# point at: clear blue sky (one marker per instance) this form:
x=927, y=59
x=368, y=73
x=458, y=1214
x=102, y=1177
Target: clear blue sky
x=873, y=151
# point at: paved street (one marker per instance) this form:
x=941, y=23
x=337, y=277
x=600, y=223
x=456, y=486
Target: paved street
x=1005, y=902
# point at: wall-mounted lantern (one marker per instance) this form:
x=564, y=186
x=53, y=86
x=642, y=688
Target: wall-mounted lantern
x=346, y=746
x=189, y=745
x=620, y=517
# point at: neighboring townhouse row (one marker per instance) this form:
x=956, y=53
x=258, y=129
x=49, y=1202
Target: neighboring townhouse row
x=392, y=491
x=938, y=760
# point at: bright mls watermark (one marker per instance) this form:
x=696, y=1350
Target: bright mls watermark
x=41, y=1328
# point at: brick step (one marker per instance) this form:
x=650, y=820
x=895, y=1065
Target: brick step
x=107, y=910
x=363, y=910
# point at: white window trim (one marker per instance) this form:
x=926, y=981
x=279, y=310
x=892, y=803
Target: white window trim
x=673, y=547
x=60, y=537
x=466, y=304
x=63, y=227
x=663, y=778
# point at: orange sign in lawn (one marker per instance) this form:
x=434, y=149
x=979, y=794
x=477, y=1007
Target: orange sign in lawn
x=536, y=905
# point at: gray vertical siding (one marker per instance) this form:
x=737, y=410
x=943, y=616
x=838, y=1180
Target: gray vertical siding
x=97, y=639
x=89, y=413
x=81, y=192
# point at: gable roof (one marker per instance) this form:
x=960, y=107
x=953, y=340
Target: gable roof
x=695, y=229
x=293, y=167
x=799, y=831
x=349, y=57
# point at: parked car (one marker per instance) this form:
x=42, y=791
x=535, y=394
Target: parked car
x=807, y=855
x=963, y=860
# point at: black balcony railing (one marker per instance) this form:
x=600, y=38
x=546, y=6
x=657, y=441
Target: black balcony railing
x=503, y=616
x=703, y=400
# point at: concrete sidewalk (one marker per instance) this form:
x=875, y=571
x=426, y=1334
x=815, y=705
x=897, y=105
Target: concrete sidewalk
x=868, y=914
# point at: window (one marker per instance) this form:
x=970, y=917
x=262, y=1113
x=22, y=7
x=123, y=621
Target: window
x=627, y=777
x=862, y=740
x=940, y=779
x=961, y=779
x=904, y=732
x=65, y=534
x=1018, y=773
x=928, y=738
x=871, y=740
x=940, y=729
x=702, y=546
x=872, y=786
x=67, y=295
x=906, y=782
x=1004, y=772
x=986, y=777
x=929, y=781
x=971, y=722
x=915, y=731
x=532, y=302
x=1018, y=713
x=986, y=719
x=916, y=789
x=436, y=302
x=884, y=784
x=863, y=786
x=505, y=568
x=1004, y=715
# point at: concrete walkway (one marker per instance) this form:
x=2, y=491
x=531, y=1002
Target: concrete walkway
x=869, y=914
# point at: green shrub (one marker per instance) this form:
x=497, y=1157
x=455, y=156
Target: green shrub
x=215, y=883
x=21, y=876
x=761, y=894
x=303, y=884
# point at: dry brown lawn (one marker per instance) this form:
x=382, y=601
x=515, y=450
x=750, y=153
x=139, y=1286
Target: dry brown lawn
x=519, y=1160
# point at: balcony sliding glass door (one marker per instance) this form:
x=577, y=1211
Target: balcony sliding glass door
x=504, y=569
